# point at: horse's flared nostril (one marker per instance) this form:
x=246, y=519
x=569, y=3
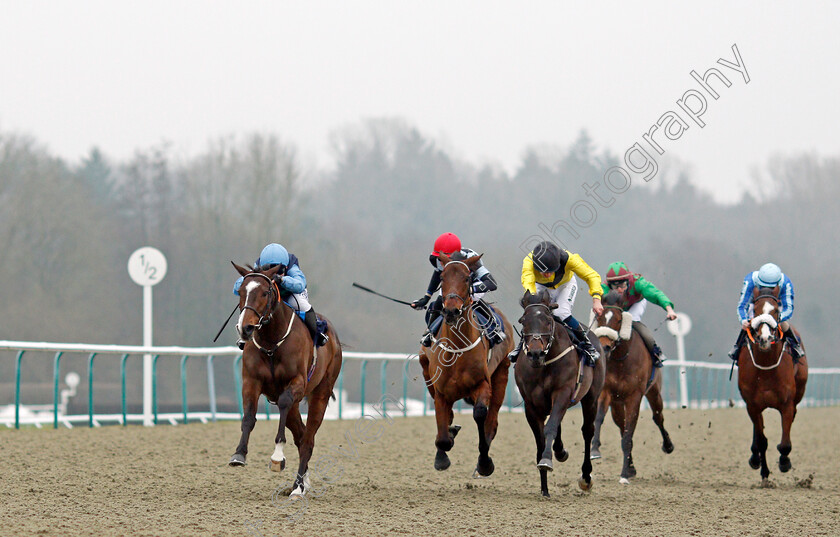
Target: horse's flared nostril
x=247, y=331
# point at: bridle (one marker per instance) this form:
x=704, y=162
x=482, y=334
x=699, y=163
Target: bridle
x=765, y=319
x=273, y=299
x=540, y=335
x=466, y=302
x=619, y=341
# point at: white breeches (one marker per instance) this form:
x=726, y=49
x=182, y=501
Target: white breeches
x=299, y=301
x=563, y=296
x=638, y=309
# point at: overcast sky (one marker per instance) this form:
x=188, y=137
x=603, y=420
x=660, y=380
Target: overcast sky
x=484, y=79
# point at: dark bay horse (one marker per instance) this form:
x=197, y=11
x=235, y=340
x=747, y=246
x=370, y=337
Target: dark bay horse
x=630, y=376
x=279, y=362
x=769, y=378
x=552, y=377
x=460, y=365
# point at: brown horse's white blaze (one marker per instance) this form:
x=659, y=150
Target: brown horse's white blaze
x=765, y=326
x=245, y=331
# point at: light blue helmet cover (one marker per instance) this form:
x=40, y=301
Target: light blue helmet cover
x=273, y=254
x=769, y=275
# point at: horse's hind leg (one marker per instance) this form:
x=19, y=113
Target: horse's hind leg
x=250, y=400
x=603, y=405
x=481, y=414
x=785, y=446
x=759, y=443
x=654, y=397
x=318, y=401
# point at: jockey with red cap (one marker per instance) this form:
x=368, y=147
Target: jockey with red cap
x=481, y=282
x=634, y=294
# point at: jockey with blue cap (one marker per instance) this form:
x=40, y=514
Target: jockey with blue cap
x=292, y=284
x=768, y=277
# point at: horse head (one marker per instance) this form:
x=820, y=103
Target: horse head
x=537, y=326
x=614, y=325
x=765, y=321
x=455, y=285
x=258, y=298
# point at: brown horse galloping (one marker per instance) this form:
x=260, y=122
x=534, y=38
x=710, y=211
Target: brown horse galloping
x=552, y=378
x=460, y=365
x=630, y=376
x=769, y=378
x=278, y=361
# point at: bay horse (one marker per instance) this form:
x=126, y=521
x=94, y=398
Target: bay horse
x=630, y=376
x=552, y=377
x=769, y=378
x=461, y=365
x=280, y=362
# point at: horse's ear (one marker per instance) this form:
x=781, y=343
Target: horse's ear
x=756, y=291
x=521, y=320
x=472, y=261
x=444, y=259
x=775, y=291
x=272, y=271
x=241, y=270
x=553, y=306
x=524, y=300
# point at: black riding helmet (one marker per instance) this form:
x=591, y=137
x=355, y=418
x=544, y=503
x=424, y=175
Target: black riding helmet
x=548, y=257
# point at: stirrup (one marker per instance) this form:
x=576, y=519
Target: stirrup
x=241, y=344
x=321, y=339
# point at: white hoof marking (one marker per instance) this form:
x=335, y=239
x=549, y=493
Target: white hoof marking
x=624, y=481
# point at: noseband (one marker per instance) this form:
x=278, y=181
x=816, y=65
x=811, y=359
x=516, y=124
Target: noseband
x=539, y=336
x=273, y=299
x=776, y=330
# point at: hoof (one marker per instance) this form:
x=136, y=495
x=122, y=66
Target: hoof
x=767, y=484
x=442, y=461
x=484, y=468
x=623, y=481
x=755, y=461
x=546, y=494
x=594, y=454
x=453, y=430
x=668, y=446
x=584, y=484
x=277, y=466
x=545, y=464
x=237, y=460
x=297, y=493
x=631, y=472
x=784, y=464
x=563, y=456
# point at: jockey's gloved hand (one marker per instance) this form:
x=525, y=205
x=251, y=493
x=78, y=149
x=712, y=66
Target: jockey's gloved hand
x=420, y=303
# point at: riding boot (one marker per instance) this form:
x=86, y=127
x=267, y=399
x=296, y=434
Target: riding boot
x=491, y=327
x=311, y=322
x=795, y=345
x=733, y=354
x=514, y=354
x=656, y=354
x=585, y=345
x=432, y=315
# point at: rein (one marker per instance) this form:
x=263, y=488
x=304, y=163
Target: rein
x=265, y=318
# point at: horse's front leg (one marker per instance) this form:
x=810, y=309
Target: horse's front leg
x=759, y=443
x=289, y=399
x=590, y=407
x=481, y=396
x=785, y=446
x=631, y=418
x=295, y=424
x=536, y=423
x=250, y=400
x=603, y=405
x=559, y=404
x=445, y=435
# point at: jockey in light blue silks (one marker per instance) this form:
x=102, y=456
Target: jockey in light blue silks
x=768, y=276
x=292, y=284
